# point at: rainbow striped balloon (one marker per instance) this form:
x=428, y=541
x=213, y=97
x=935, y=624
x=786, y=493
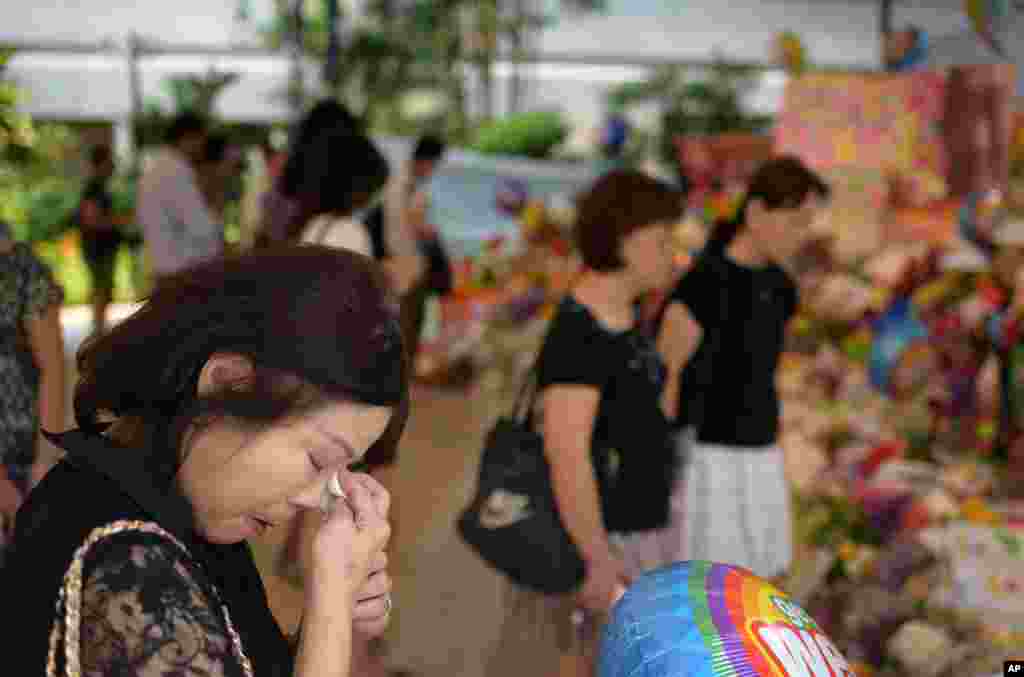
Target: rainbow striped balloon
x=702, y=619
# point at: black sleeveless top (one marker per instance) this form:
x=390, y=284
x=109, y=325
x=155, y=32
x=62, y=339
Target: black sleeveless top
x=144, y=601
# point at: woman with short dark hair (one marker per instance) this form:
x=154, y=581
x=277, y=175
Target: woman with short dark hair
x=607, y=442
x=722, y=335
x=235, y=398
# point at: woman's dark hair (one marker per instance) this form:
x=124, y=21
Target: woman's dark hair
x=216, y=148
x=619, y=203
x=430, y=148
x=318, y=324
x=782, y=183
x=183, y=125
x=326, y=116
x=342, y=173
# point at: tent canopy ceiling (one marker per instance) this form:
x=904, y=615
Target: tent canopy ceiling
x=836, y=32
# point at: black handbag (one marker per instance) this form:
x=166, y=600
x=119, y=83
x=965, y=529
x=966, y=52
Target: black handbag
x=513, y=522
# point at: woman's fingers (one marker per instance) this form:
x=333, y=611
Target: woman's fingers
x=376, y=585
x=381, y=496
x=379, y=562
x=372, y=608
x=367, y=517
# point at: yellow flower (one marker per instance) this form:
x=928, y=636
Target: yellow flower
x=975, y=510
x=847, y=551
x=862, y=670
x=880, y=298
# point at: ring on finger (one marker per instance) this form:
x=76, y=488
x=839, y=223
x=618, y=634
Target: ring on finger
x=387, y=604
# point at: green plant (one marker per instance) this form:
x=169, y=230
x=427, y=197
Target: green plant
x=198, y=94
x=16, y=132
x=533, y=135
x=714, y=105
x=40, y=184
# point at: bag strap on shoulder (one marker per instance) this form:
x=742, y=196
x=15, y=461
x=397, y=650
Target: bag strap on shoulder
x=69, y=600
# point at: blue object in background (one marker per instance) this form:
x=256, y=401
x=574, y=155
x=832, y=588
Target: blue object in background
x=895, y=331
x=916, y=56
x=969, y=224
x=616, y=133
x=463, y=205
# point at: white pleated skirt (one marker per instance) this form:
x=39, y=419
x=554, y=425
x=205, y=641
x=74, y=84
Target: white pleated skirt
x=737, y=508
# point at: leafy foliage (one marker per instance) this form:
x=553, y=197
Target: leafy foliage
x=40, y=184
x=15, y=127
x=533, y=135
x=714, y=105
x=401, y=45
x=198, y=94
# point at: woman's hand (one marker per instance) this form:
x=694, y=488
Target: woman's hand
x=373, y=600
x=604, y=584
x=346, y=587
x=346, y=564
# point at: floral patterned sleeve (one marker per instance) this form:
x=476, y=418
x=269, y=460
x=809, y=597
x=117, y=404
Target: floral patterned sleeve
x=145, y=615
x=40, y=291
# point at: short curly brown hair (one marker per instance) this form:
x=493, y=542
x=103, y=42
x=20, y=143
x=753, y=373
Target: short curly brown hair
x=619, y=203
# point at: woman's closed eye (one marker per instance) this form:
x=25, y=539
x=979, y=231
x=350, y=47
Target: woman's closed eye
x=315, y=462
x=336, y=451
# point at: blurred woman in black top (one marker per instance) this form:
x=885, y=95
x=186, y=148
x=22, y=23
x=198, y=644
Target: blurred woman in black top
x=722, y=336
x=607, y=441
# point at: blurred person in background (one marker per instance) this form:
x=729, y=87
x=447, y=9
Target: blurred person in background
x=263, y=173
x=302, y=194
x=608, y=444
x=203, y=422
x=721, y=336
x=219, y=168
x=101, y=236
x=179, y=228
x=32, y=373
x=400, y=228
x=344, y=172
x=284, y=216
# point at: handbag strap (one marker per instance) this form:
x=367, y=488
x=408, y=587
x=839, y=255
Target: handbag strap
x=527, y=396
x=69, y=601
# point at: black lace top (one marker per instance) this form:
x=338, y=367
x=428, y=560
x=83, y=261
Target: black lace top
x=148, y=609
x=27, y=290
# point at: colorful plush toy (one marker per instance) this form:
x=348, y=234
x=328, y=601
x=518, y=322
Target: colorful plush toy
x=987, y=18
x=790, y=53
x=906, y=50
x=511, y=197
